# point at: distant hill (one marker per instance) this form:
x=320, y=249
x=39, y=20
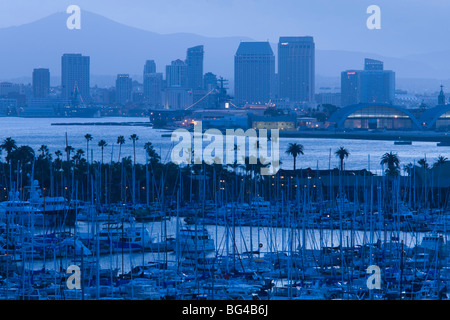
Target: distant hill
x=116, y=48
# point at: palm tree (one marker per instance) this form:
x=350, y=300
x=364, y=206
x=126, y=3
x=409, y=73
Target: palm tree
x=294, y=149
x=69, y=150
x=88, y=138
x=440, y=161
x=407, y=168
x=134, y=138
x=8, y=145
x=152, y=154
x=392, y=161
x=120, y=142
x=423, y=163
x=102, y=144
x=24, y=155
x=78, y=156
x=58, y=154
x=342, y=153
x=45, y=153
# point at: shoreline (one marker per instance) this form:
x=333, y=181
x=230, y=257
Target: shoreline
x=421, y=136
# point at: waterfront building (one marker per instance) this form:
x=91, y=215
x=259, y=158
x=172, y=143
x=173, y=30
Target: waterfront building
x=124, y=88
x=374, y=116
x=41, y=82
x=75, y=76
x=152, y=84
x=371, y=85
x=254, y=73
x=282, y=123
x=437, y=118
x=176, y=74
x=296, y=68
x=149, y=67
x=194, y=63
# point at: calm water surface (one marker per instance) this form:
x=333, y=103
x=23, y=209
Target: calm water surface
x=318, y=153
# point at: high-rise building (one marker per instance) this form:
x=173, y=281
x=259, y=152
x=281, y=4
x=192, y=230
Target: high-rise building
x=153, y=86
x=149, y=67
x=254, y=73
x=75, y=76
x=176, y=74
x=124, y=86
x=41, y=82
x=194, y=62
x=296, y=69
x=371, y=85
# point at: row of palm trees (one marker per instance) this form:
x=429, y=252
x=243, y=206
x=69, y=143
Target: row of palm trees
x=296, y=149
x=113, y=176
x=389, y=159
x=23, y=161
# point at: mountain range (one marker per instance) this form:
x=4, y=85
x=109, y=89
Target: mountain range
x=116, y=48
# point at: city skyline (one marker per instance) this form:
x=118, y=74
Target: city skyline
x=424, y=70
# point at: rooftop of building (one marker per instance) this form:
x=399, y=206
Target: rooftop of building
x=254, y=47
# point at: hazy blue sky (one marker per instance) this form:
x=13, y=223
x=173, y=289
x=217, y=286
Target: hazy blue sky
x=408, y=26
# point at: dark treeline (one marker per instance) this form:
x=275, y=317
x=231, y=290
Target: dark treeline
x=71, y=174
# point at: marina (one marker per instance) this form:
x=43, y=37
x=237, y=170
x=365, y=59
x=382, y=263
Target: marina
x=211, y=232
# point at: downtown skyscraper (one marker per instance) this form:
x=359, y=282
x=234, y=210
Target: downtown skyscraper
x=296, y=69
x=194, y=62
x=75, y=77
x=124, y=86
x=254, y=73
x=41, y=82
x=153, y=84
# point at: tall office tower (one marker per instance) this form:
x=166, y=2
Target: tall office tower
x=254, y=73
x=371, y=85
x=75, y=76
x=153, y=86
x=194, y=62
x=296, y=68
x=350, y=87
x=176, y=74
x=149, y=67
x=124, y=86
x=41, y=82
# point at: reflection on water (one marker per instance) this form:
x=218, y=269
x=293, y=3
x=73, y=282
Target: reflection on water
x=269, y=239
x=318, y=152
